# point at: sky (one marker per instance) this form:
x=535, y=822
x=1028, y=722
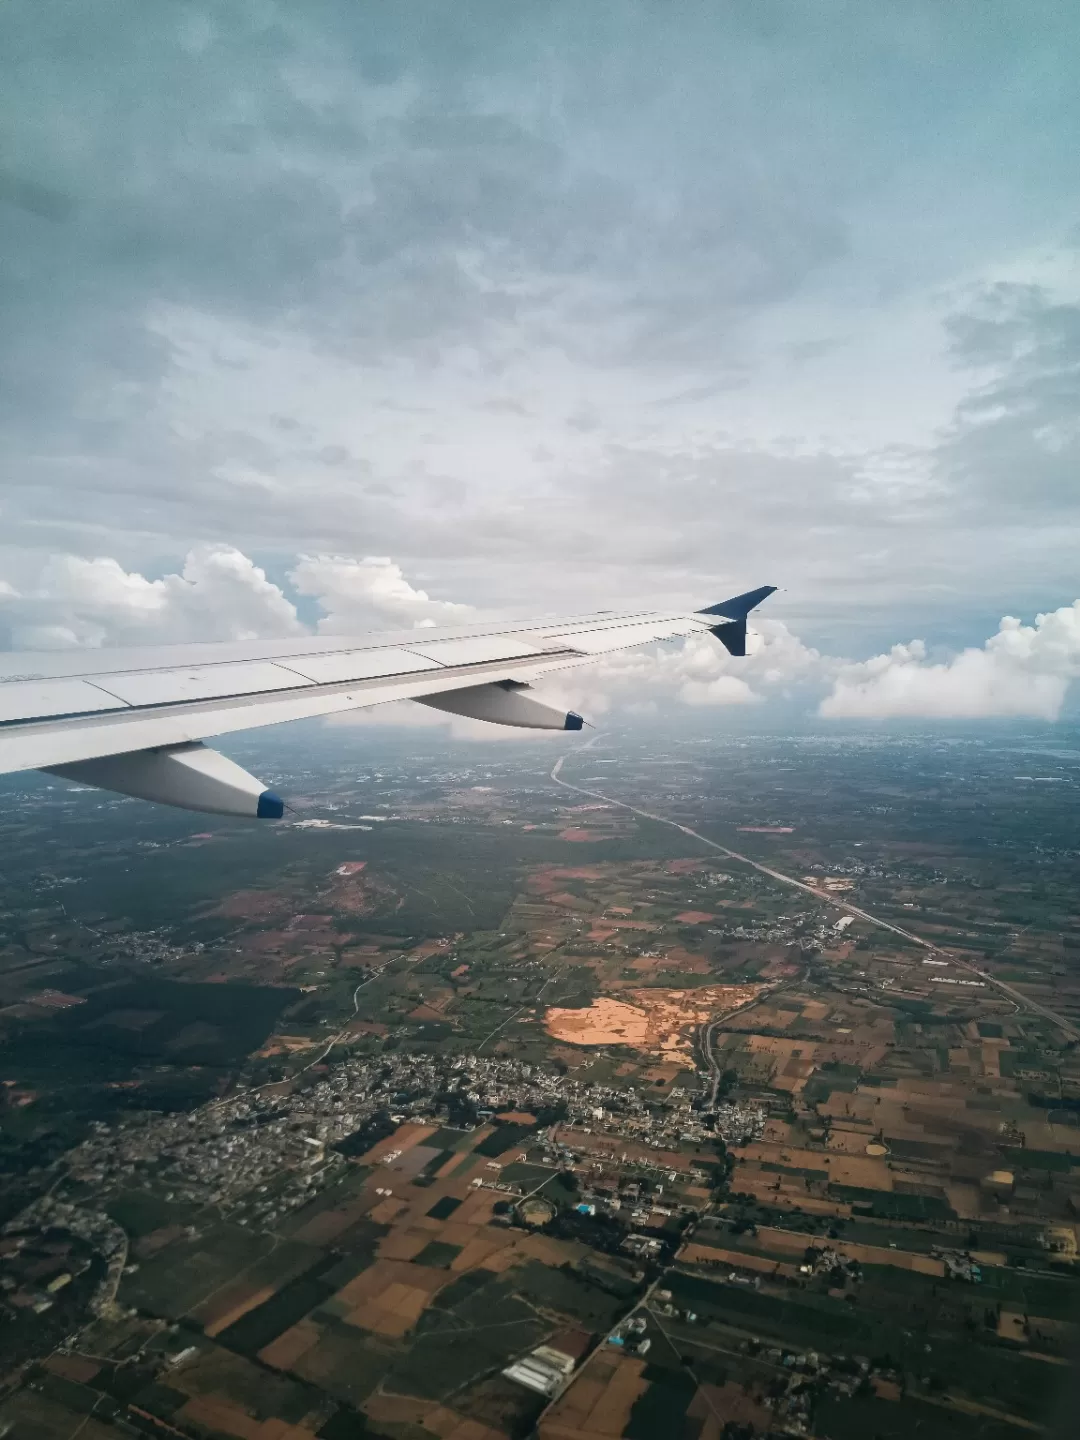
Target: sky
x=342, y=315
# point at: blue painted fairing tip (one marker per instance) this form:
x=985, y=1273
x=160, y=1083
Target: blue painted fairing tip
x=573, y=722
x=270, y=807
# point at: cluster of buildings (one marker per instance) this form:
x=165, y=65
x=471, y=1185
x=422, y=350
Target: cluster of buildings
x=805, y=1374
x=630, y=1335
x=545, y=1370
x=93, y=1227
x=808, y=929
x=261, y=1154
x=33, y=1271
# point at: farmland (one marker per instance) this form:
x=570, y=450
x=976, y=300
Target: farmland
x=517, y=1069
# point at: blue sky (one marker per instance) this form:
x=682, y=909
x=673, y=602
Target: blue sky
x=610, y=302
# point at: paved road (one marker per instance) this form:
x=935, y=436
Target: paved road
x=823, y=899
x=708, y=1038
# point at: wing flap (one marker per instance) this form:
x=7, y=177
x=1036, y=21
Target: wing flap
x=480, y=648
x=358, y=665
x=48, y=743
x=91, y=705
x=22, y=700
x=142, y=688
x=601, y=639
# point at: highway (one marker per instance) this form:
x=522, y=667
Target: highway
x=823, y=898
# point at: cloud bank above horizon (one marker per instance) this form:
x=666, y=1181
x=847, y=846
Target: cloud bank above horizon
x=221, y=594
x=592, y=309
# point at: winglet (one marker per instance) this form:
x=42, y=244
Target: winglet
x=732, y=632
x=739, y=606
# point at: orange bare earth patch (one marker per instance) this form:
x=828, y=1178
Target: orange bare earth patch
x=285, y=1045
x=604, y=1022
x=517, y=1117
x=580, y=836
x=695, y=917
x=655, y=1022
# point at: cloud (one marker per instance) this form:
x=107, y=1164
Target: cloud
x=221, y=594
x=1015, y=442
x=1022, y=670
x=360, y=594
x=218, y=595
x=590, y=306
x=591, y=301
x=699, y=672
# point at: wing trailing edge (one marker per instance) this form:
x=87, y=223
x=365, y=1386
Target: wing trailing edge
x=134, y=721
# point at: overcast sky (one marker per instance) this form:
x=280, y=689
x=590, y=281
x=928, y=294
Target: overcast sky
x=365, y=313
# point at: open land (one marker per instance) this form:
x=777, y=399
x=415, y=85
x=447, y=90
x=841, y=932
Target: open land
x=738, y=1075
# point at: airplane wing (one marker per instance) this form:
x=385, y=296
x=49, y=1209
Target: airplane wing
x=135, y=721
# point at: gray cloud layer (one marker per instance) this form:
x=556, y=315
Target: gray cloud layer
x=613, y=301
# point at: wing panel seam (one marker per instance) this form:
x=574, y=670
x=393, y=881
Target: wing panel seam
x=200, y=704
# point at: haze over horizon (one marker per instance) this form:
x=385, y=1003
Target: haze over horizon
x=369, y=318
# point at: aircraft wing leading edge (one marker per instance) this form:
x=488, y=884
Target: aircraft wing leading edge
x=134, y=721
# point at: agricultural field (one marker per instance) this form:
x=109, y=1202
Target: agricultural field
x=351, y=1123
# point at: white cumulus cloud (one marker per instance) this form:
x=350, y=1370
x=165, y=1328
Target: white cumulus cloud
x=219, y=594
x=700, y=672
x=372, y=591
x=1022, y=670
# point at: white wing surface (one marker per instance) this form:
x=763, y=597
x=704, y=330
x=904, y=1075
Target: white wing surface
x=135, y=720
